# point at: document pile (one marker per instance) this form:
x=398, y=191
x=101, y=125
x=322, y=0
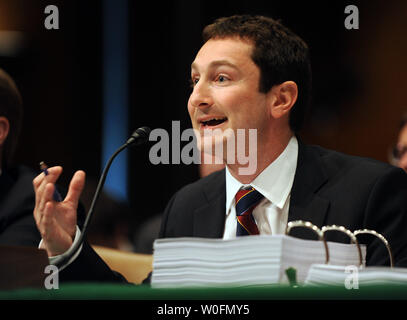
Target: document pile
x=325, y=274
x=251, y=260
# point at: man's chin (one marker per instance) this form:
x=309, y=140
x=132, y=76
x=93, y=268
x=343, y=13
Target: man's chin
x=211, y=154
x=213, y=146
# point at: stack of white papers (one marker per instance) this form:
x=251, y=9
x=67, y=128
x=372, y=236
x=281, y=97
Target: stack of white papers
x=322, y=274
x=250, y=260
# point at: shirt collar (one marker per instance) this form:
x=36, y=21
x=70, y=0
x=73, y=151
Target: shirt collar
x=274, y=182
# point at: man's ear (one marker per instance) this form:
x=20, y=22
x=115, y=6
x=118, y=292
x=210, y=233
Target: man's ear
x=282, y=98
x=4, y=129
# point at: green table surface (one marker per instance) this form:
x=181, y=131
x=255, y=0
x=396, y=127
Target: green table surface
x=103, y=291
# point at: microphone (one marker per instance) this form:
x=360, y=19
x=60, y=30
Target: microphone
x=138, y=137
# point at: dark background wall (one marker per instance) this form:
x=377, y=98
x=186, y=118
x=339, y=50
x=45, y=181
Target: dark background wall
x=358, y=97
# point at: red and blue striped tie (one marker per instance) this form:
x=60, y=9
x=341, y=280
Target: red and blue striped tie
x=245, y=202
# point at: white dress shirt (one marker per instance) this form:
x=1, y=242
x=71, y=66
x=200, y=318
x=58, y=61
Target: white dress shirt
x=56, y=259
x=274, y=183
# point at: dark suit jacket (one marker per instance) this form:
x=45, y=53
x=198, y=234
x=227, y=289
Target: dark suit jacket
x=329, y=188
x=17, y=201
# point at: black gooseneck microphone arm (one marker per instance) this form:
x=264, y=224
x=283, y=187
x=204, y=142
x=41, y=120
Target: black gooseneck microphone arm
x=138, y=137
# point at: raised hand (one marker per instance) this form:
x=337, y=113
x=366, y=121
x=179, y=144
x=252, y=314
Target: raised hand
x=56, y=221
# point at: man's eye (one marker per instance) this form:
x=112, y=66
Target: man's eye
x=193, y=82
x=221, y=79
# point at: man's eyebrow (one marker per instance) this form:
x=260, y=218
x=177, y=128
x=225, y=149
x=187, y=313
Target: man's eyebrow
x=216, y=63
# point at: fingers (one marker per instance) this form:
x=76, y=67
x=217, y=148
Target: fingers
x=53, y=175
x=47, y=195
x=42, y=201
x=41, y=181
x=43, y=188
x=56, y=240
x=46, y=224
x=56, y=220
x=75, y=187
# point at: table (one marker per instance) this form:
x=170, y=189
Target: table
x=113, y=291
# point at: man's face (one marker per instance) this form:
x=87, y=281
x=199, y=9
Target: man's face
x=402, y=147
x=226, y=89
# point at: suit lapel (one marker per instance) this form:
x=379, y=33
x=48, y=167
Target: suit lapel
x=305, y=203
x=209, y=219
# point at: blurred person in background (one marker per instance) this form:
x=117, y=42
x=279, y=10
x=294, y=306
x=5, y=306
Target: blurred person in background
x=398, y=156
x=17, y=198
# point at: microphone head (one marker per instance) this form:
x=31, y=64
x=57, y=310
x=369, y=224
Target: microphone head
x=142, y=132
x=139, y=136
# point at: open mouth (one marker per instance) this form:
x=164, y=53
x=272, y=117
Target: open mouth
x=213, y=122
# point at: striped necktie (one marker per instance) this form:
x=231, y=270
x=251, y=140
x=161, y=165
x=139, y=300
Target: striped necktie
x=245, y=202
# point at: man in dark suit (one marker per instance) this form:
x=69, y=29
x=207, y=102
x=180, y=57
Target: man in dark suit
x=17, y=198
x=253, y=73
x=398, y=156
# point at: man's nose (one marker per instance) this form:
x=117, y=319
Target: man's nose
x=201, y=96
